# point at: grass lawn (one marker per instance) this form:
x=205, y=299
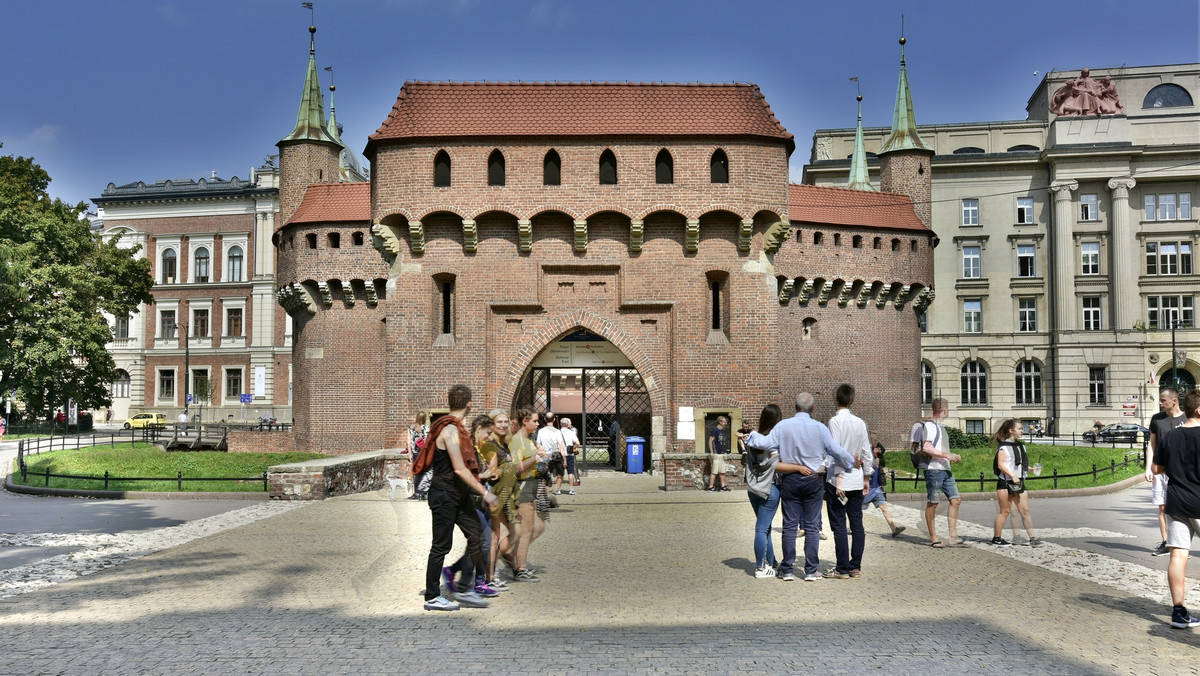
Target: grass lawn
x=1066, y=459
x=148, y=460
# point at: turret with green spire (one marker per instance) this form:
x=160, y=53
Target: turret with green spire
x=310, y=120
x=904, y=122
x=860, y=178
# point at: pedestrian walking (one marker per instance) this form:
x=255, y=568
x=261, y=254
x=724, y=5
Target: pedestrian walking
x=1178, y=458
x=1011, y=466
x=1168, y=418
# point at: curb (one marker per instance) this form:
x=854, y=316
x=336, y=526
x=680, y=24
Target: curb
x=127, y=495
x=1044, y=493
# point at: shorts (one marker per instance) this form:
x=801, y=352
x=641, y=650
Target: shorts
x=939, y=480
x=876, y=497
x=528, y=490
x=1003, y=485
x=570, y=463
x=1181, y=530
x=718, y=463
x=1158, y=490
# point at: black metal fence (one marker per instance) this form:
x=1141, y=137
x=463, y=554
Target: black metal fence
x=27, y=447
x=1139, y=459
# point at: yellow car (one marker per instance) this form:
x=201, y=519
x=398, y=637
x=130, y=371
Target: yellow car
x=146, y=420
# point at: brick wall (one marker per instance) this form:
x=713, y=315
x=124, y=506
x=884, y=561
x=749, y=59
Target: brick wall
x=259, y=441
x=326, y=478
x=689, y=471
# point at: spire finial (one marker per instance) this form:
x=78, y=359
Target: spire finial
x=904, y=124
x=310, y=120
x=860, y=176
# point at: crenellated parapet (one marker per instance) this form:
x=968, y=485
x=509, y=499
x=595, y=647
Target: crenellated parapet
x=857, y=291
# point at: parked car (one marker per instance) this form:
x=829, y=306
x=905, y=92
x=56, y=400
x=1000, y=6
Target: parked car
x=1127, y=432
x=146, y=420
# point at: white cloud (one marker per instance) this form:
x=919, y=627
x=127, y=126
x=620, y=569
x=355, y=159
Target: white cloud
x=43, y=137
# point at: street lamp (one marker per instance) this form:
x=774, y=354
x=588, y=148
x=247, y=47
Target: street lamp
x=187, y=365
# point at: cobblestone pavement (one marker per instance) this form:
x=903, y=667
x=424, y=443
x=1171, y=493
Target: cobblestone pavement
x=635, y=581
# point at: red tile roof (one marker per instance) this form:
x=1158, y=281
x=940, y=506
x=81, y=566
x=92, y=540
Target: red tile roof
x=474, y=109
x=334, y=203
x=841, y=206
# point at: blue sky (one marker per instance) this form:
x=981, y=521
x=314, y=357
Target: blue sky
x=133, y=90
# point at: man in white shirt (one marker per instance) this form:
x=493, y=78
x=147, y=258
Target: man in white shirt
x=844, y=488
x=938, y=478
x=553, y=445
x=571, y=441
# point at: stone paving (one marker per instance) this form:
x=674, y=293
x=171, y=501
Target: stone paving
x=635, y=581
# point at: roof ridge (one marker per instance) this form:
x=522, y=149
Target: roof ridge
x=575, y=83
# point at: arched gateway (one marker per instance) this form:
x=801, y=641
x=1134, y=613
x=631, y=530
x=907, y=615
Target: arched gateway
x=585, y=377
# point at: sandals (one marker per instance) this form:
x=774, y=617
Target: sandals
x=937, y=545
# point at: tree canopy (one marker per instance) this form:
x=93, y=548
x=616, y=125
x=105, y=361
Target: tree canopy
x=57, y=278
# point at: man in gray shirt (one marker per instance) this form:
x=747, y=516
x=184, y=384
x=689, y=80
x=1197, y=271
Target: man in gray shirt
x=804, y=444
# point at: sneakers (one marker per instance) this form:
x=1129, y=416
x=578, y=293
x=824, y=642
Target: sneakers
x=571, y=492
x=813, y=576
x=1001, y=542
x=1161, y=549
x=1036, y=542
x=440, y=603
x=525, y=575
x=1182, y=619
x=448, y=578
x=470, y=600
x=485, y=590
x=856, y=573
x=498, y=584
x=765, y=572
x=898, y=530
x=787, y=577
x=558, y=492
x=834, y=574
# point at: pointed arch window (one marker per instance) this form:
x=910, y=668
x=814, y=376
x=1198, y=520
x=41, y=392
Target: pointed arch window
x=441, y=169
x=552, y=168
x=496, y=168
x=664, y=167
x=202, y=260
x=608, y=168
x=718, y=167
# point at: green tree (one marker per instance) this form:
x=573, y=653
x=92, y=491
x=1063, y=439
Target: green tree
x=57, y=277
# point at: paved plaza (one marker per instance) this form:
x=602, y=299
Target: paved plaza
x=635, y=581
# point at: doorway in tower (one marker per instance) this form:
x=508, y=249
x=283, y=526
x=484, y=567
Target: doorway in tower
x=585, y=378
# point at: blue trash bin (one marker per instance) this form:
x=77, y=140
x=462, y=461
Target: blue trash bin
x=635, y=451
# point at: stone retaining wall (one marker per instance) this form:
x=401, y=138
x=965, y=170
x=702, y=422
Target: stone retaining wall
x=689, y=471
x=341, y=475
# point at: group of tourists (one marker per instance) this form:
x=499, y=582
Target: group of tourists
x=491, y=476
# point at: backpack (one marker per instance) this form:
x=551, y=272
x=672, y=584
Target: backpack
x=917, y=455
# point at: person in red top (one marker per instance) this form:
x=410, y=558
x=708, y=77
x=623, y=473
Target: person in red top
x=454, y=479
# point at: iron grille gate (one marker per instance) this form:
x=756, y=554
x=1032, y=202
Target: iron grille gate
x=616, y=404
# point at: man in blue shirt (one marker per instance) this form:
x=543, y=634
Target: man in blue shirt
x=804, y=445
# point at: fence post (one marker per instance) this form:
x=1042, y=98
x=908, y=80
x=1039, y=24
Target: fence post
x=1056, y=477
x=47, y=477
x=1114, y=467
x=1094, y=478
x=892, y=472
x=179, y=481
x=105, y=479
x=267, y=486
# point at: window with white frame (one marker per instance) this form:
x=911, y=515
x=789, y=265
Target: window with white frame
x=1168, y=258
x=120, y=386
x=200, y=272
x=926, y=384
x=923, y=322
x=166, y=324
x=233, y=322
x=1168, y=206
x=168, y=267
x=1097, y=385
x=121, y=328
x=201, y=386
x=972, y=316
x=1024, y=210
x=200, y=323
x=166, y=384
x=970, y=211
x=1089, y=207
x=1089, y=253
x=233, y=264
x=974, y=426
x=971, y=262
x=1026, y=260
x=1091, y=313
x=1027, y=315
x=1163, y=311
x=973, y=383
x=1029, y=382
x=233, y=384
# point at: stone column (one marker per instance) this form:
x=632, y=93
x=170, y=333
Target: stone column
x=1064, y=255
x=1122, y=287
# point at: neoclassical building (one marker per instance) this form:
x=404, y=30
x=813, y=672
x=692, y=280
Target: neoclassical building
x=628, y=253
x=1066, y=249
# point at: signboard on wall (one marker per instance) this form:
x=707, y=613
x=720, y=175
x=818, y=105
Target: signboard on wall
x=577, y=354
